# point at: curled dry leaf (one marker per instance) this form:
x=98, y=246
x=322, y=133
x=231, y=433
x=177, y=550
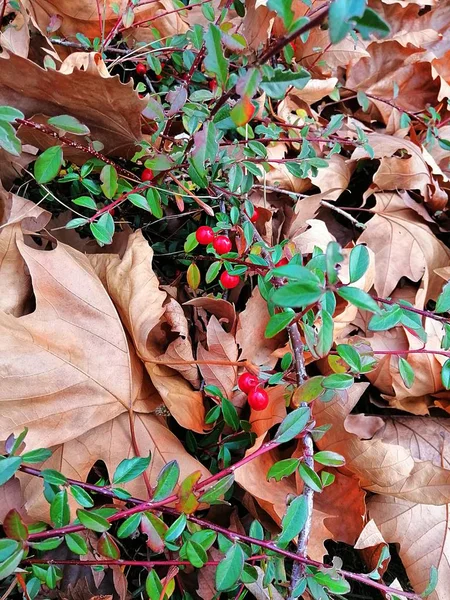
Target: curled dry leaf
x=417, y=250
x=221, y=347
x=384, y=468
x=17, y=216
x=134, y=289
x=108, y=107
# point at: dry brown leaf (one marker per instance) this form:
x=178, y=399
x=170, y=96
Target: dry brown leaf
x=317, y=235
x=384, y=468
x=371, y=544
x=315, y=90
x=11, y=496
x=108, y=107
x=262, y=592
x=221, y=347
x=256, y=347
x=263, y=420
x=391, y=61
x=134, y=289
x=404, y=246
x=16, y=216
x=334, y=179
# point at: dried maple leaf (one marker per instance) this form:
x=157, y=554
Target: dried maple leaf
x=134, y=289
x=221, y=347
x=404, y=246
x=108, y=107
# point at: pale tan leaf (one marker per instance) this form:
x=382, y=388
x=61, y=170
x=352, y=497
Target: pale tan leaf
x=221, y=347
x=263, y=420
x=108, y=107
x=262, y=592
x=404, y=246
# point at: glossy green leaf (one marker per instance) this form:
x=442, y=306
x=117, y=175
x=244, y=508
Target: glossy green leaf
x=14, y=527
x=230, y=568
x=283, y=468
x=7, y=548
x=406, y=372
x=445, y=375
x=284, y=10
x=69, y=124
x=443, y=301
x=294, y=520
x=108, y=547
x=167, y=480
x=432, y=583
x=129, y=526
x=9, y=140
x=359, y=298
x=358, y=262
x=154, y=203
x=329, y=458
x=387, y=319
x=103, y=229
x=53, y=477
x=310, y=477
x=76, y=543
x=278, y=322
x=338, y=381
x=46, y=545
x=109, y=179
x=10, y=564
x=59, y=509
x=8, y=467
x=81, y=496
x=93, y=521
x=217, y=491
x=48, y=165
x=196, y=554
x=36, y=456
x=350, y=355
x=130, y=468
x=215, y=60
x=230, y=415
x=176, y=529
x=10, y=114
x=139, y=200
x=299, y=295
x=292, y=425
x=153, y=585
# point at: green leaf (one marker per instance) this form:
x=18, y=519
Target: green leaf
x=340, y=13
x=215, y=61
x=7, y=548
x=338, y=381
x=206, y=147
x=230, y=415
x=176, y=529
x=284, y=10
x=167, y=480
x=230, y=568
x=10, y=114
x=109, y=179
x=371, y=23
x=310, y=477
x=9, y=140
x=59, y=510
x=283, y=468
x=278, y=322
x=69, y=124
x=336, y=586
x=297, y=294
x=445, y=375
x=277, y=83
x=213, y=271
x=36, y=456
x=129, y=526
x=130, y=468
x=217, y=490
x=153, y=585
x=8, y=467
x=329, y=458
x=196, y=554
x=139, y=200
x=325, y=334
x=294, y=520
x=406, y=372
x=310, y=390
x=191, y=242
x=81, y=496
x=386, y=320
x=351, y=356
x=92, y=521
x=292, y=425
x=74, y=223
x=297, y=273
x=9, y=565
x=363, y=100
x=154, y=202
x=358, y=262
x=49, y=544
x=14, y=527
x=161, y=162
x=359, y=298
x=101, y=230
x=443, y=301
x=48, y=164
x=108, y=547
x=193, y=276
x=434, y=575
x=76, y=543
x=53, y=477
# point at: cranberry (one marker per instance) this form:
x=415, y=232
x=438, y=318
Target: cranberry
x=222, y=244
x=247, y=381
x=204, y=235
x=258, y=398
x=229, y=281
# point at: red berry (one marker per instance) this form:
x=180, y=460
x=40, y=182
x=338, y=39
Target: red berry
x=255, y=215
x=112, y=211
x=229, y=281
x=141, y=69
x=204, y=235
x=247, y=381
x=147, y=175
x=222, y=244
x=258, y=398
x=283, y=261
x=212, y=85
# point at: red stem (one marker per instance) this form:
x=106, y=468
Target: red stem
x=424, y=313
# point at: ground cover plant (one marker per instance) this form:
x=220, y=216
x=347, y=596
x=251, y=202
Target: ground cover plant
x=224, y=308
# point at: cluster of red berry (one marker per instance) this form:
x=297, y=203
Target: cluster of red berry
x=257, y=396
x=221, y=244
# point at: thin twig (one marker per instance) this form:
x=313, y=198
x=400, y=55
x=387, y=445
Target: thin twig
x=355, y=222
